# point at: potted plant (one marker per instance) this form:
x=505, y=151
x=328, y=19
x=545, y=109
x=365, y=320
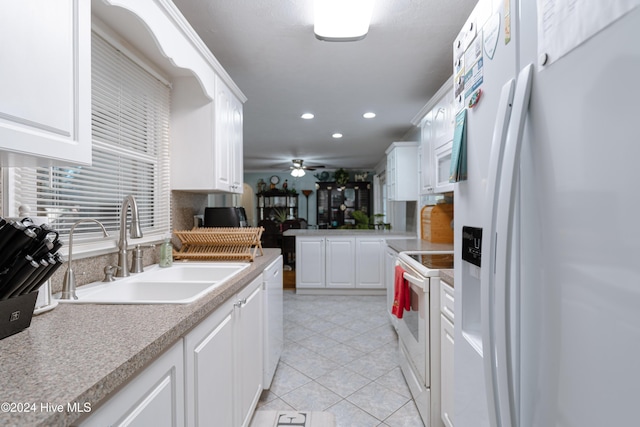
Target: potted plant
x=362, y=220
x=341, y=176
x=280, y=215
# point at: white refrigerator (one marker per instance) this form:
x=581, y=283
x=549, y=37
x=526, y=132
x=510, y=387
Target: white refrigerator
x=549, y=330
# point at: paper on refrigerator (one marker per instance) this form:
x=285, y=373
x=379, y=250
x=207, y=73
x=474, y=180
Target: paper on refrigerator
x=563, y=25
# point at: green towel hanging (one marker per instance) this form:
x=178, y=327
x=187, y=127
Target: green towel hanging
x=458, y=168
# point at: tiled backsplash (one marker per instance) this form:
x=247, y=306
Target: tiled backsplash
x=87, y=270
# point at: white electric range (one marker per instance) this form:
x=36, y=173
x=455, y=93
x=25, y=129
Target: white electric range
x=419, y=329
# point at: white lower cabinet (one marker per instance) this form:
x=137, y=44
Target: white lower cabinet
x=340, y=260
x=273, y=315
x=153, y=398
x=446, y=353
x=340, y=263
x=223, y=362
x=213, y=373
x=209, y=358
x=310, y=262
x=248, y=351
x=370, y=263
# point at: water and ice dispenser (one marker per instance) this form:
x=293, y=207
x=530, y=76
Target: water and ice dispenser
x=471, y=285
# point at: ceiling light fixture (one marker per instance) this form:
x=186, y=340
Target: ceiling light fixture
x=307, y=116
x=369, y=115
x=342, y=20
x=297, y=172
x=337, y=135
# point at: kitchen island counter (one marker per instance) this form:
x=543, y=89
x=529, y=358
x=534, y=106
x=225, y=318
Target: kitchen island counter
x=347, y=232
x=77, y=355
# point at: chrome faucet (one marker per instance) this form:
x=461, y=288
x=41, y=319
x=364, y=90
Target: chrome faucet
x=135, y=233
x=69, y=283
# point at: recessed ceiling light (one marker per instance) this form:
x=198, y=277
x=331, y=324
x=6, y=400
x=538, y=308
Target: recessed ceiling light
x=337, y=135
x=307, y=116
x=369, y=115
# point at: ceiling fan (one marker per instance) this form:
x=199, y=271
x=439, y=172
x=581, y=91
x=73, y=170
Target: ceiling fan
x=298, y=168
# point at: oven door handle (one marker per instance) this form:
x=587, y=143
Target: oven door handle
x=421, y=283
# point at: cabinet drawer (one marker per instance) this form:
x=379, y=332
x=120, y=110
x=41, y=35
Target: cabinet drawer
x=447, y=300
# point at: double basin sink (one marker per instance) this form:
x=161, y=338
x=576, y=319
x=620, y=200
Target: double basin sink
x=181, y=283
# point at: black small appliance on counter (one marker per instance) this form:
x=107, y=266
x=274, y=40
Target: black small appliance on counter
x=225, y=217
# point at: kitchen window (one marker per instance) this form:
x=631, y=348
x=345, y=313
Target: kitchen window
x=130, y=149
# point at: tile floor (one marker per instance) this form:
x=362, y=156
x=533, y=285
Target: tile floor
x=340, y=355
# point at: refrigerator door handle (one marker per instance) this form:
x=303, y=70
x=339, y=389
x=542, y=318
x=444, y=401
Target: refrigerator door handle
x=504, y=250
x=489, y=242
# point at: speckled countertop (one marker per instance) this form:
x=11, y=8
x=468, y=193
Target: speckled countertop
x=83, y=352
x=308, y=232
x=447, y=276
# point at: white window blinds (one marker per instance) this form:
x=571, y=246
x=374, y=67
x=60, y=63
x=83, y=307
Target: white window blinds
x=130, y=129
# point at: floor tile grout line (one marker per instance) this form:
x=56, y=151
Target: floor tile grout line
x=319, y=331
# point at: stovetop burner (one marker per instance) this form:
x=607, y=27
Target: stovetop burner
x=433, y=261
x=428, y=263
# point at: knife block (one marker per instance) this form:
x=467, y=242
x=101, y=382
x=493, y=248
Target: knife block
x=16, y=314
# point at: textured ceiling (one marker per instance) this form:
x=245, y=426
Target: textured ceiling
x=269, y=50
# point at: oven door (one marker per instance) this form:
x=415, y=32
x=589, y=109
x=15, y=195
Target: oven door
x=413, y=328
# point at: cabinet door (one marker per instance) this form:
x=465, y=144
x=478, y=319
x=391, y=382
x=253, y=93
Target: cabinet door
x=192, y=137
x=447, y=303
x=153, y=398
x=370, y=263
x=237, y=146
x=45, y=106
x=390, y=265
x=446, y=370
x=223, y=123
x=340, y=272
x=273, y=320
x=426, y=156
x=391, y=175
x=402, y=171
x=248, y=333
x=310, y=262
x=208, y=362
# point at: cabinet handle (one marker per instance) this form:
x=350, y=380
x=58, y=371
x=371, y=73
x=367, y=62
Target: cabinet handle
x=240, y=303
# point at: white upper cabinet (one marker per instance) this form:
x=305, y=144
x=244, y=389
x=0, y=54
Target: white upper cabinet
x=206, y=105
x=436, y=143
x=426, y=155
x=45, y=82
x=206, y=136
x=228, y=140
x=402, y=171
